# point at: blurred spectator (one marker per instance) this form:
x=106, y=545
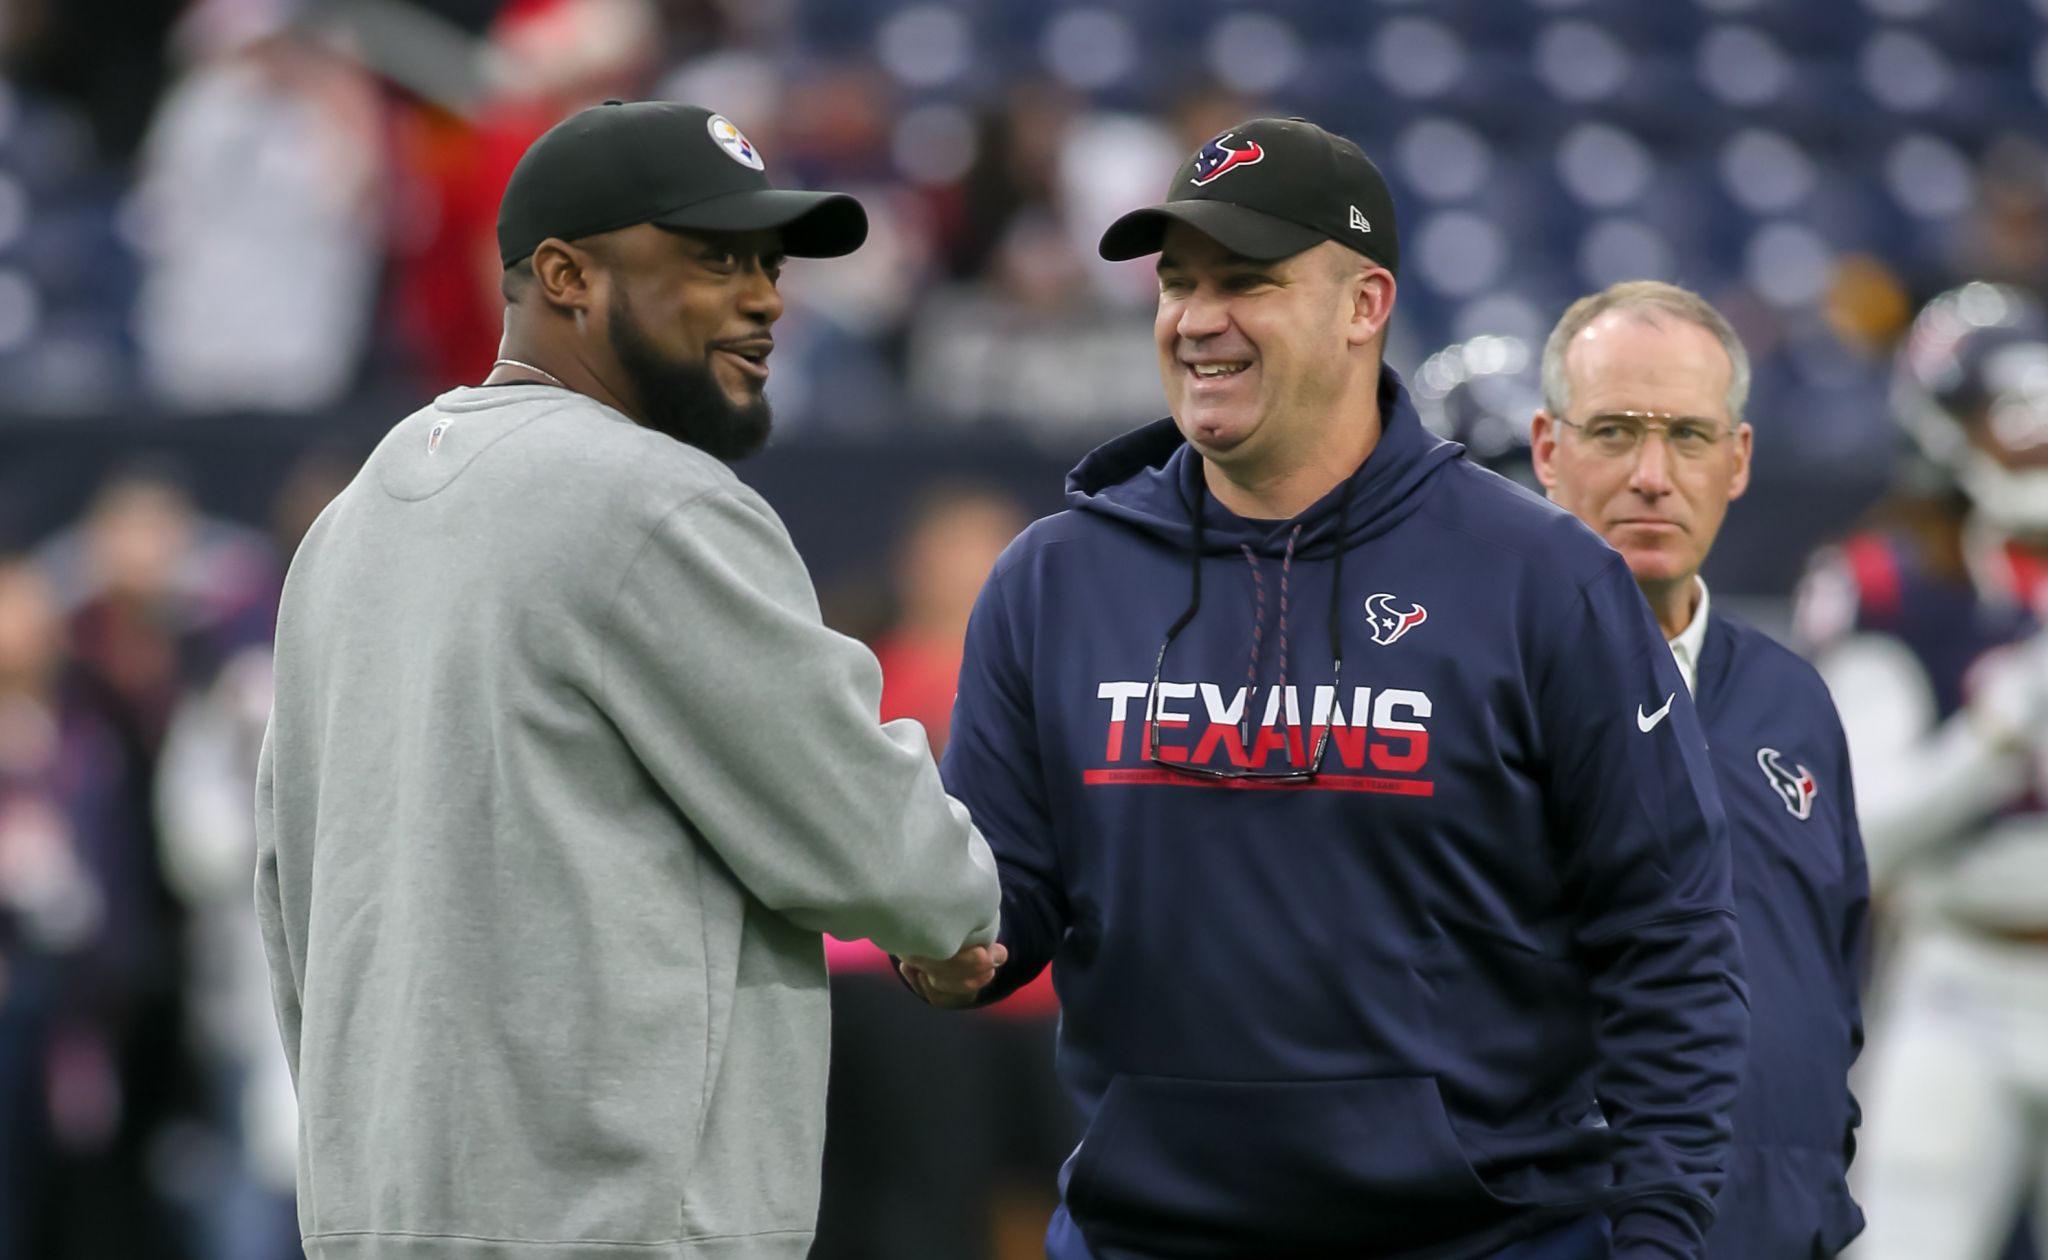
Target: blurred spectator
x=311, y=484
x=1110, y=163
x=1033, y=347
x=1203, y=109
x=259, y=204
x=2005, y=237
x=1866, y=306
x=49, y=906
x=205, y=781
x=545, y=60
x=107, y=56
x=82, y=1050
x=908, y=1170
x=157, y=597
x=1015, y=173
x=945, y=555
x=838, y=344
x=1482, y=394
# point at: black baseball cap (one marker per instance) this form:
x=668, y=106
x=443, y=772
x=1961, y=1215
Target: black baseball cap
x=618, y=164
x=1269, y=188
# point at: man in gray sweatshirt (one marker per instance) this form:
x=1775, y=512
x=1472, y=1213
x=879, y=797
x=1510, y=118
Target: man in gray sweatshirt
x=565, y=777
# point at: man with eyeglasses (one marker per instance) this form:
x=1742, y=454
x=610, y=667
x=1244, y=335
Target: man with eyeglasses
x=1641, y=436
x=1350, y=792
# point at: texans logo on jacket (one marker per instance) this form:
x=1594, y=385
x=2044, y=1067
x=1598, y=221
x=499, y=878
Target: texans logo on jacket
x=1794, y=785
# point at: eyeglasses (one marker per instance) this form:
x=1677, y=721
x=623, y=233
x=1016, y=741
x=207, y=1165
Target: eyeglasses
x=1619, y=434
x=1290, y=774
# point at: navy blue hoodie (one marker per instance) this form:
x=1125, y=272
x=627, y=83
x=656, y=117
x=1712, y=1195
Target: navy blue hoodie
x=1803, y=895
x=1378, y=1014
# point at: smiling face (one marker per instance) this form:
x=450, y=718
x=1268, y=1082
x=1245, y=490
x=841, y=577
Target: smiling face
x=688, y=316
x=1660, y=509
x=1256, y=356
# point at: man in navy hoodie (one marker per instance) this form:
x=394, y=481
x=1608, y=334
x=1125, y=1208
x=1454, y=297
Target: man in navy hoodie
x=1641, y=436
x=1351, y=791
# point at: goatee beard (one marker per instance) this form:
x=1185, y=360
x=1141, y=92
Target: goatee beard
x=684, y=400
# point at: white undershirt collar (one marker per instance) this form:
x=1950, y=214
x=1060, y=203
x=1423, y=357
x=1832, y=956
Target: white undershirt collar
x=1685, y=649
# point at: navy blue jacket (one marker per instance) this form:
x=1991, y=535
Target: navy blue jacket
x=1379, y=1014
x=1803, y=897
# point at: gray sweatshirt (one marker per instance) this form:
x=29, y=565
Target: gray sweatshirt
x=563, y=780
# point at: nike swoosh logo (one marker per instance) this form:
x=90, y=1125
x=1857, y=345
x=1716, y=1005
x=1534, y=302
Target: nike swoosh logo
x=1647, y=722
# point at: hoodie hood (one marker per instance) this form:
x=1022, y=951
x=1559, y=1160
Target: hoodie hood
x=1147, y=479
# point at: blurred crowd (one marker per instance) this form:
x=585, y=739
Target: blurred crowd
x=284, y=209
x=135, y=1065
x=267, y=205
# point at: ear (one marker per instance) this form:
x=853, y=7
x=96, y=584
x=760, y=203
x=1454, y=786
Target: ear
x=566, y=276
x=1745, y=438
x=1543, y=450
x=1372, y=303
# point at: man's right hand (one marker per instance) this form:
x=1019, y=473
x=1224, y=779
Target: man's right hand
x=953, y=982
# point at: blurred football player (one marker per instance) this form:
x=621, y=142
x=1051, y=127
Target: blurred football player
x=1928, y=630
x=1480, y=393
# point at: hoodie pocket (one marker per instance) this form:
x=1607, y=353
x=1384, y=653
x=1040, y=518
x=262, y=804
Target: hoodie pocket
x=1234, y=1168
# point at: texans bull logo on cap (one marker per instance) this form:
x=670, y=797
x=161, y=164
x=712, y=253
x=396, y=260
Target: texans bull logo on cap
x=1217, y=158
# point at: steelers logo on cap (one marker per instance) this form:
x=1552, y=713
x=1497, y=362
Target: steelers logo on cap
x=735, y=145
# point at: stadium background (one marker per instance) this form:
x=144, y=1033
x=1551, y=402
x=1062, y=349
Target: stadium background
x=239, y=238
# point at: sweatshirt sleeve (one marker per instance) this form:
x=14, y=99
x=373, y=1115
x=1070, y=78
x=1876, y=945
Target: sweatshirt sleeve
x=992, y=763
x=1644, y=854
x=763, y=726
x=270, y=911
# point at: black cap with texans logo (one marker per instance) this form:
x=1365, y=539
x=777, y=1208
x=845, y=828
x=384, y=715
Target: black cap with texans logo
x=619, y=164
x=1267, y=189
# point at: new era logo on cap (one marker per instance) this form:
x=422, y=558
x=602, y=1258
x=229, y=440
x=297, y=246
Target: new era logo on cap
x=1358, y=223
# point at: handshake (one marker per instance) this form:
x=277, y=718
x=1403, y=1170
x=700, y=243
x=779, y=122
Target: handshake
x=955, y=981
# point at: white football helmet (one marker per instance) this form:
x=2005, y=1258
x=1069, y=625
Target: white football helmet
x=1970, y=387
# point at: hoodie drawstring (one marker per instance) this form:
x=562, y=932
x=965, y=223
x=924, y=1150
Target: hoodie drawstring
x=1337, y=544
x=1251, y=673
